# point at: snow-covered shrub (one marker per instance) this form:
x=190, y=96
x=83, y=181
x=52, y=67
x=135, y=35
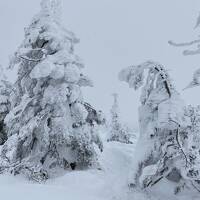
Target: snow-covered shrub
x=5, y=90
x=162, y=148
x=49, y=125
x=119, y=132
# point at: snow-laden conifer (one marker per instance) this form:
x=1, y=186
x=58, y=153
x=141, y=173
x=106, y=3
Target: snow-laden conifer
x=119, y=132
x=49, y=127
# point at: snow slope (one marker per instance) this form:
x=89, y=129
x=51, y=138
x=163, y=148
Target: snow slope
x=109, y=183
x=105, y=184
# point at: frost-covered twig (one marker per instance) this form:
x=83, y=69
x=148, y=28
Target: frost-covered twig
x=183, y=44
x=178, y=142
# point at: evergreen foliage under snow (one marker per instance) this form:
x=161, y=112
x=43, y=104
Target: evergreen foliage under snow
x=49, y=125
x=47, y=128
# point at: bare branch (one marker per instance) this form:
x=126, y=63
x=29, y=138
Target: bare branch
x=191, y=52
x=183, y=44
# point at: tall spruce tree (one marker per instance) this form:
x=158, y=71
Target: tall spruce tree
x=50, y=127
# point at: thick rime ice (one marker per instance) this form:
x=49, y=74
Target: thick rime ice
x=162, y=150
x=49, y=125
x=119, y=132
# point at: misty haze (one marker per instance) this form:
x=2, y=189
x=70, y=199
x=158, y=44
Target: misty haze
x=99, y=100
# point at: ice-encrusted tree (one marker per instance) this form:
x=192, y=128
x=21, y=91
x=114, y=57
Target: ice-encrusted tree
x=5, y=91
x=118, y=131
x=162, y=149
x=50, y=127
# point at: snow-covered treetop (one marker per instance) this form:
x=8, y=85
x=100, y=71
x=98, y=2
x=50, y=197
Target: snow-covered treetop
x=49, y=48
x=158, y=93
x=157, y=78
x=46, y=28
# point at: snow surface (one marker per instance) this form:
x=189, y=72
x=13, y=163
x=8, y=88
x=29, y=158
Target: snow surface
x=109, y=183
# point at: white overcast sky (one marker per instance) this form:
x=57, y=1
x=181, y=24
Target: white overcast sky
x=115, y=34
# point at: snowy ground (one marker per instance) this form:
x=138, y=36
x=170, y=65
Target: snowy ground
x=110, y=183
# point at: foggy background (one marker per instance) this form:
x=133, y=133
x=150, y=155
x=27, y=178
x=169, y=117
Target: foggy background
x=115, y=34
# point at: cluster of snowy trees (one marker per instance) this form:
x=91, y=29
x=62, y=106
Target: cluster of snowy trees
x=46, y=127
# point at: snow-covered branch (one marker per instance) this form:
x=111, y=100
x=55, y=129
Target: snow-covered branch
x=30, y=59
x=183, y=44
x=134, y=76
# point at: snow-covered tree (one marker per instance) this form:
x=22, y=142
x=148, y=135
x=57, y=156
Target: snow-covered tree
x=118, y=131
x=50, y=127
x=5, y=90
x=162, y=148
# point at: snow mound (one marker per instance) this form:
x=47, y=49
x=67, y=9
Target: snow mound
x=108, y=183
